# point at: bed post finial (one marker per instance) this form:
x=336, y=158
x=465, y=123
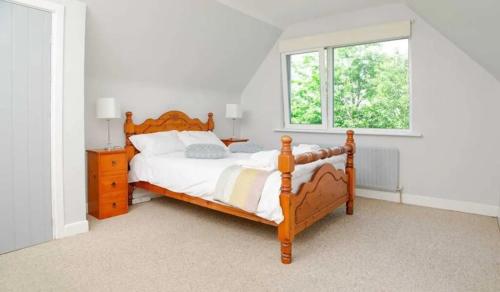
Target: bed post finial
x=350, y=136
x=129, y=129
x=286, y=165
x=210, y=121
x=350, y=171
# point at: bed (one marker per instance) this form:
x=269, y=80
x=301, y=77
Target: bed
x=307, y=187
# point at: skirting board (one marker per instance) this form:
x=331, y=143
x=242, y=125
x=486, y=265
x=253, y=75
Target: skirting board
x=75, y=228
x=379, y=195
x=432, y=202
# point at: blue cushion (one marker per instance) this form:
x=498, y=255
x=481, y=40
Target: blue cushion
x=205, y=151
x=245, y=147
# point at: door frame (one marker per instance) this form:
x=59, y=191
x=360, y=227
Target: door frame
x=56, y=107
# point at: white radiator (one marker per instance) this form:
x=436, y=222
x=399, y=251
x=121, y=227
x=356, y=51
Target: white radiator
x=377, y=168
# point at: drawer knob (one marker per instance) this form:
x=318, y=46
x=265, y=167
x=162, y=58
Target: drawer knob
x=113, y=162
x=113, y=184
x=114, y=205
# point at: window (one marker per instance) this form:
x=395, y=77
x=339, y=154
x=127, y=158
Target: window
x=305, y=89
x=357, y=86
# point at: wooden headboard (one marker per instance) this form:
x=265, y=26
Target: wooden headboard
x=171, y=120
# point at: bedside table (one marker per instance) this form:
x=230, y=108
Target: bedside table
x=229, y=141
x=107, y=183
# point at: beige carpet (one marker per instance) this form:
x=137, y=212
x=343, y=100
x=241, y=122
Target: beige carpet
x=166, y=245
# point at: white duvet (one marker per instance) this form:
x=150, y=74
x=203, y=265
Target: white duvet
x=198, y=177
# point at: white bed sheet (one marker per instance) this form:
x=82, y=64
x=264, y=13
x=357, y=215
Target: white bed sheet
x=198, y=177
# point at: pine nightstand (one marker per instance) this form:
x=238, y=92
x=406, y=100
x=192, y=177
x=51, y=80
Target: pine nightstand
x=107, y=183
x=229, y=141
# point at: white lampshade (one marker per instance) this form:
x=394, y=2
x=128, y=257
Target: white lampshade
x=233, y=111
x=108, y=108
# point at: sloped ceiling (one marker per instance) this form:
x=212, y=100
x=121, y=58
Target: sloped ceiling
x=472, y=25
x=285, y=13
x=197, y=44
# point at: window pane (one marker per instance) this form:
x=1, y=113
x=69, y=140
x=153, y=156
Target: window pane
x=304, y=88
x=371, y=86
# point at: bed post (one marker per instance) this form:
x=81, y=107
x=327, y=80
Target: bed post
x=210, y=121
x=286, y=165
x=129, y=129
x=351, y=171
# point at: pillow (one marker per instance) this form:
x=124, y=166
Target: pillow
x=245, y=147
x=303, y=148
x=205, y=151
x=200, y=137
x=157, y=143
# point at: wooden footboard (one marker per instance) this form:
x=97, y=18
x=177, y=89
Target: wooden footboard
x=327, y=190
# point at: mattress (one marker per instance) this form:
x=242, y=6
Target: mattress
x=198, y=177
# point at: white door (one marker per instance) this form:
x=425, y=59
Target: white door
x=25, y=190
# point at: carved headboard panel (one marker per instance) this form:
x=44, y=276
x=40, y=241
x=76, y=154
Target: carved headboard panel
x=172, y=120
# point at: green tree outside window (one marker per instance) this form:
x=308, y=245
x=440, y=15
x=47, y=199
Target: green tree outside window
x=370, y=87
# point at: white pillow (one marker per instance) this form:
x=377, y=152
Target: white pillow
x=157, y=143
x=303, y=148
x=200, y=137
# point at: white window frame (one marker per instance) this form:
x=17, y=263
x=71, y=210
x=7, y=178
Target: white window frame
x=286, y=93
x=327, y=98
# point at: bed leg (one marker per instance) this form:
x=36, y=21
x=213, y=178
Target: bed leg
x=351, y=192
x=130, y=193
x=351, y=172
x=349, y=208
x=286, y=252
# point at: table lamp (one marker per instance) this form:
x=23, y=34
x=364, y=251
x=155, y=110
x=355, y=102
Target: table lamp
x=108, y=108
x=233, y=111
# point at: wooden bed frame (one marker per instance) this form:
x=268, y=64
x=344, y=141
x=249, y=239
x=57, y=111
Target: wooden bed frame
x=327, y=190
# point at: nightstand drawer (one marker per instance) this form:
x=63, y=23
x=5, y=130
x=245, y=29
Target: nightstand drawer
x=112, y=163
x=113, y=184
x=110, y=196
x=112, y=207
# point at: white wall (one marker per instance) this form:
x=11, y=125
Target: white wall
x=74, y=195
x=155, y=55
x=149, y=100
x=455, y=107
x=73, y=105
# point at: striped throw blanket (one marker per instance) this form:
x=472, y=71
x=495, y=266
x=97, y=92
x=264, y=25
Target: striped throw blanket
x=241, y=187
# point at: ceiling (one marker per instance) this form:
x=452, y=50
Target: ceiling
x=472, y=25
x=281, y=13
x=195, y=44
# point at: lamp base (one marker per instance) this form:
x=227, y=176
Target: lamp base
x=109, y=146
x=112, y=148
